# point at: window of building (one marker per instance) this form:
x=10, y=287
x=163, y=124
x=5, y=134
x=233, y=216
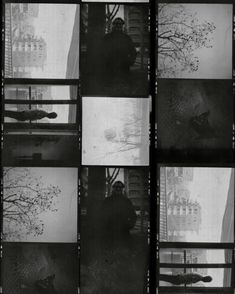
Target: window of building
x=203, y=246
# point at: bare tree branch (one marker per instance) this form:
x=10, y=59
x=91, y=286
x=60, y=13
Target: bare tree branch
x=25, y=197
x=179, y=34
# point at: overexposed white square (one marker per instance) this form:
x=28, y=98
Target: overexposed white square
x=115, y=131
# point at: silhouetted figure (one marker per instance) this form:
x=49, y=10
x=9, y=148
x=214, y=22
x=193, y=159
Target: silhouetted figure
x=46, y=286
x=118, y=213
x=34, y=114
x=118, y=50
x=184, y=278
x=202, y=127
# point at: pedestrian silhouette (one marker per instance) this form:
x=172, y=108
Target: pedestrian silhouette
x=118, y=50
x=34, y=114
x=184, y=278
x=41, y=286
x=118, y=213
x=46, y=286
x=201, y=125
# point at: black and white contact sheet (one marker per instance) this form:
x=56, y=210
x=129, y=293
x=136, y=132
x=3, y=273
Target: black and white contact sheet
x=117, y=128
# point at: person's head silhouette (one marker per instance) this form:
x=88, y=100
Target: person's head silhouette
x=118, y=24
x=52, y=115
x=117, y=188
x=207, y=279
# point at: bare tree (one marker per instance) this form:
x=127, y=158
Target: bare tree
x=25, y=197
x=128, y=138
x=111, y=12
x=180, y=34
x=110, y=178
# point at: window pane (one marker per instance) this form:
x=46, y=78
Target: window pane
x=196, y=204
x=40, y=92
x=25, y=112
x=221, y=277
x=39, y=149
x=42, y=40
x=19, y=92
x=175, y=255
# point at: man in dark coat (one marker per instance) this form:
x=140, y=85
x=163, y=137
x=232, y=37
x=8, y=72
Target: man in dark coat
x=118, y=213
x=118, y=50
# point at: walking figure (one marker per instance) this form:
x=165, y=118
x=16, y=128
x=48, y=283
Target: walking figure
x=184, y=278
x=25, y=115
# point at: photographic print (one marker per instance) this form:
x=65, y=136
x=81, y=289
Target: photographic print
x=41, y=40
x=40, y=204
x=114, y=228
x=195, y=41
x=199, y=204
x=41, y=150
x=194, y=116
x=40, y=104
x=196, y=205
x=115, y=131
x=40, y=268
x=114, y=49
x=118, y=147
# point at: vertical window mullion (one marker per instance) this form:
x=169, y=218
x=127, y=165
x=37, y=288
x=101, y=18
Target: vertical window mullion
x=185, y=270
x=30, y=98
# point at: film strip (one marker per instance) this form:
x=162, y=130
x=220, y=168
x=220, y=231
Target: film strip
x=176, y=251
x=79, y=215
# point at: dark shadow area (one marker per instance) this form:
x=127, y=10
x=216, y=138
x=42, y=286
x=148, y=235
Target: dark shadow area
x=114, y=220
x=194, y=118
x=217, y=156
x=195, y=290
x=41, y=150
x=40, y=268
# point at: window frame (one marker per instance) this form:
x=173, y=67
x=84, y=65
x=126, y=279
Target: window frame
x=192, y=245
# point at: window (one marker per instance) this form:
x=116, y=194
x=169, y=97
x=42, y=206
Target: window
x=49, y=98
x=199, y=238
x=41, y=78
